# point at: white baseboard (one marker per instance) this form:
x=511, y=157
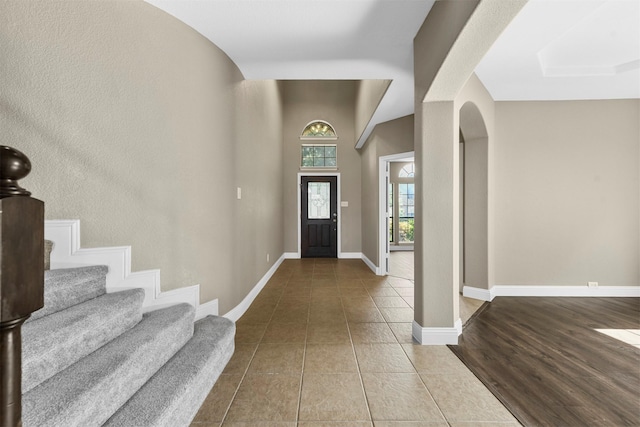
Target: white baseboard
x=550, y=291
x=371, y=265
x=67, y=253
x=343, y=255
x=565, y=291
x=350, y=255
x=400, y=248
x=437, y=336
x=237, y=312
x=477, y=293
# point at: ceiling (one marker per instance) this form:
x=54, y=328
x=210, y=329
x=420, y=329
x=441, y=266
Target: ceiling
x=554, y=49
x=567, y=49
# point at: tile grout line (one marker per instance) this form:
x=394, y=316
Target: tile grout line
x=304, y=350
x=425, y=385
x=413, y=364
x=418, y=373
x=246, y=370
x=355, y=356
x=235, y=393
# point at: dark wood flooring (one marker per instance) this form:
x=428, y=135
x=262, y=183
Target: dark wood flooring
x=545, y=361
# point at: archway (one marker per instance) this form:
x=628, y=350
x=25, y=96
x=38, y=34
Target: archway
x=474, y=197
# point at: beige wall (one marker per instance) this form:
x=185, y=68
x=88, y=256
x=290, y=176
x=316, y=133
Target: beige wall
x=257, y=226
x=475, y=214
x=567, y=186
x=334, y=102
x=369, y=93
x=435, y=39
x=562, y=196
x=392, y=137
x=142, y=129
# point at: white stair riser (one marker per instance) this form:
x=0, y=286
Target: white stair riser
x=67, y=253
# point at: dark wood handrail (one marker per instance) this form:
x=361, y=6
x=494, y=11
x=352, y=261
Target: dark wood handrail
x=21, y=275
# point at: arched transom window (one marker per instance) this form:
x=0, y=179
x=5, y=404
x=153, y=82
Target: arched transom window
x=319, y=129
x=319, y=155
x=407, y=172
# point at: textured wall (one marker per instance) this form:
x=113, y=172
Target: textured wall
x=475, y=214
x=334, y=102
x=140, y=127
x=257, y=226
x=567, y=185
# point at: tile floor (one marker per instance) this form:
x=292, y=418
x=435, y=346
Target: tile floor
x=328, y=343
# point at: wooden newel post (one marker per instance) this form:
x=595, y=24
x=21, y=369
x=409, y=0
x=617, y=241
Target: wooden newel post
x=21, y=275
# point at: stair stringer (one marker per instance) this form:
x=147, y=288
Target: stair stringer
x=67, y=253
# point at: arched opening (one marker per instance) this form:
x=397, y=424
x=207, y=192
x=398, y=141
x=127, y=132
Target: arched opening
x=474, y=196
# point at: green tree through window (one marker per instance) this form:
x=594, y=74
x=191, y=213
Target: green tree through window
x=406, y=212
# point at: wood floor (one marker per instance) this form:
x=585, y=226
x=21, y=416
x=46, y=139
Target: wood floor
x=547, y=363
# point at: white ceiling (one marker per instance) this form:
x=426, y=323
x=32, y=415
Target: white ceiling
x=554, y=49
x=315, y=39
x=567, y=49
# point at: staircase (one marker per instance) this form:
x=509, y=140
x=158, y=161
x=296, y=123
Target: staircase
x=92, y=358
x=107, y=348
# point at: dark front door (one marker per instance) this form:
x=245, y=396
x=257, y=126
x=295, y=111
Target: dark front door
x=319, y=222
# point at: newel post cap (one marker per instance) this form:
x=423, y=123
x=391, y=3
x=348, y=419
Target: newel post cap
x=14, y=166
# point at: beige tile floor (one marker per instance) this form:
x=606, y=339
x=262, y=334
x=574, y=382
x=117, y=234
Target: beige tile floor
x=328, y=343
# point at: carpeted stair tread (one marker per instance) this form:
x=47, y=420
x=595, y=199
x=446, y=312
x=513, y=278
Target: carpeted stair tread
x=66, y=287
x=174, y=394
x=53, y=343
x=91, y=390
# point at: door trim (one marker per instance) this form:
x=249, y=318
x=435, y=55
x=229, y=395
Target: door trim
x=383, y=239
x=300, y=175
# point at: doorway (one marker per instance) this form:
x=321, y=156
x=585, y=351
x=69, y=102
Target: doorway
x=319, y=216
x=387, y=218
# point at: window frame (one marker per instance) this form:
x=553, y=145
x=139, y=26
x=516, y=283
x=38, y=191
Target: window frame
x=303, y=167
x=405, y=206
x=318, y=138
x=409, y=174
